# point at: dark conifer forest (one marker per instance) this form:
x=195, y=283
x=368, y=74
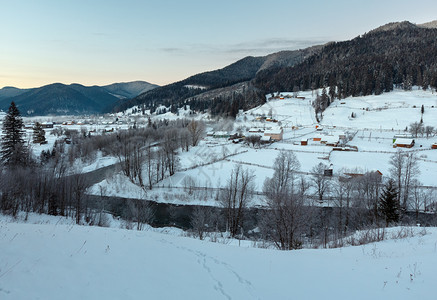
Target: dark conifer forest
x=373, y=63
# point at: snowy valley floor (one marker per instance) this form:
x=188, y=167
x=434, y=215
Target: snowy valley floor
x=57, y=260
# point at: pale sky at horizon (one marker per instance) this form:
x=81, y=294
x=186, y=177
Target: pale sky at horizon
x=98, y=42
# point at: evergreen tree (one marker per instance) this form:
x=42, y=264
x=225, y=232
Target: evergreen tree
x=13, y=148
x=389, y=206
x=39, y=135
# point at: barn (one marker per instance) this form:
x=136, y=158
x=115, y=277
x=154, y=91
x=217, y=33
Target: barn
x=403, y=143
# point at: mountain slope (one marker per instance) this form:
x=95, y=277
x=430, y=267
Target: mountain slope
x=59, y=98
x=288, y=58
x=394, y=26
x=241, y=70
x=432, y=24
x=400, y=54
x=129, y=89
x=9, y=91
x=244, y=70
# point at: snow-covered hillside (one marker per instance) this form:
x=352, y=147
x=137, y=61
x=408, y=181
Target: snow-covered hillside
x=394, y=110
x=377, y=119
x=61, y=261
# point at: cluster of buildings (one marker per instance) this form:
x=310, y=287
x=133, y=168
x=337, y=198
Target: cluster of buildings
x=265, y=135
x=43, y=125
x=268, y=135
x=324, y=139
x=286, y=96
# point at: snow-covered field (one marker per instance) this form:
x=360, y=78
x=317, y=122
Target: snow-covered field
x=394, y=110
x=58, y=260
x=378, y=119
x=50, y=258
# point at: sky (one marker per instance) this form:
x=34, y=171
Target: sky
x=97, y=42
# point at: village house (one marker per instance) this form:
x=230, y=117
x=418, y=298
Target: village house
x=317, y=138
x=403, y=143
x=274, y=134
x=47, y=124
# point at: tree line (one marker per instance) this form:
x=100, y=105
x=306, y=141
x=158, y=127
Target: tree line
x=320, y=209
x=291, y=215
x=49, y=183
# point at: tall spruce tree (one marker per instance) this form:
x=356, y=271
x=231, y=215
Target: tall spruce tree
x=39, y=135
x=13, y=148
x=389, y=205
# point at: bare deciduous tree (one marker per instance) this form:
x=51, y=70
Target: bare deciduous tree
x=184, y=139
x=286, y=214
x=189, y=185
x=319, y=181
x=170, y=145
x=253, y=140
x=130, y=156
x=149, y=162
x=416, y=128
x=343, y=191
x=410, y=174
x=368, y=189
x=141, y=212
x=235, y=197
x=200, y=221
x=404, y=169
x=429, y=130
x=196, y=130
x=79, y=185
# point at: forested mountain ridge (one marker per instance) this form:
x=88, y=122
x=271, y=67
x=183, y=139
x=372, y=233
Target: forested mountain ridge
x=10, y=91
x=242, y=70
x=397, y=54
x=58, y=98
x=432, y=24
x=190, y=90
x=124, y=90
